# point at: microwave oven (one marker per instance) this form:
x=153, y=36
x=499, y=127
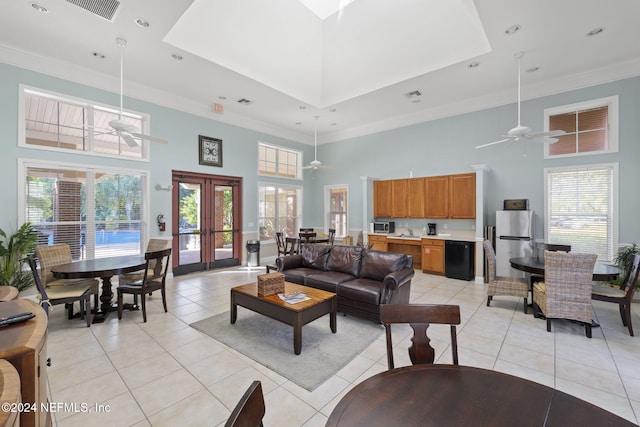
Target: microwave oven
x=384, y=227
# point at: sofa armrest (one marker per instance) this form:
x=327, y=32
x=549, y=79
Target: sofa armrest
x=398, y=278
x=288, y=262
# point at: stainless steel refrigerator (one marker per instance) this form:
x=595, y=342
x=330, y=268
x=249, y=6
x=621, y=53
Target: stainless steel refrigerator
x=514, y=238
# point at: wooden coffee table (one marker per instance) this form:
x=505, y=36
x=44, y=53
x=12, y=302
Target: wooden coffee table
x=296, y=315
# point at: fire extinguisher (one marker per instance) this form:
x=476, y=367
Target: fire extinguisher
x=162, y=222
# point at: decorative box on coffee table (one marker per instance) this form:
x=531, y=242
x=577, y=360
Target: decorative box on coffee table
x=270, y=284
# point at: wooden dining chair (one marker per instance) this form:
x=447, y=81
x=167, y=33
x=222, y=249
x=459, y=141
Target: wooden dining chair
x=154, y=279
x=280, y=243
x=153, y=245
x=419, y=317
x=622, y=295
x=501, y=285
x=291, y=246
x=306, y=230
x=250, y=410
x=67, y=294
x=58, y=254
x=332, y=236
x=566, y=290
x=307, y=237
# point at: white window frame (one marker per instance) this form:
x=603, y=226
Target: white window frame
x=297, y=188
x=327, y=208
x=615, y=212
x=278, y=148
x=612, y=131
x=145, y=119
x=24, y=163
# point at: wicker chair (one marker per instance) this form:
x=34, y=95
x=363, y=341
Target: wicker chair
x=498, y=285
x=566, y=290
x=60, y=253
x=623, y=294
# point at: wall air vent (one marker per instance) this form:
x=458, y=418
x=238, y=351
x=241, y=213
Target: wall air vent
x=414, y=94
x=244, y=101
x=105, y=9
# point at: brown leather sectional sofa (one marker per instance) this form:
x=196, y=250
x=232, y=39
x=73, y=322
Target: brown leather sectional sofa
x=362, y=278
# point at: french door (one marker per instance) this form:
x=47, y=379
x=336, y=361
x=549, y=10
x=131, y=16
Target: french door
x=206, y=221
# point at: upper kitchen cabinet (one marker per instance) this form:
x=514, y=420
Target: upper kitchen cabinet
x=382, y=199
x=436, y=204
x=415, y=204
x=462, y=196
x=399, y=198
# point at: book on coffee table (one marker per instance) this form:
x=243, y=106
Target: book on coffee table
x=293, y=297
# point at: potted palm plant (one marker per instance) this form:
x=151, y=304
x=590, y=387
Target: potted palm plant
x=13, y=252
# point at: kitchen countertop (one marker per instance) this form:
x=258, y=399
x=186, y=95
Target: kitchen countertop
x=459, y=235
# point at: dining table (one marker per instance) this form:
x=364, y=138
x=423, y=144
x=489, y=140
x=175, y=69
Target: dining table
x=451, y=395
x=105, y=269
x=535, y=265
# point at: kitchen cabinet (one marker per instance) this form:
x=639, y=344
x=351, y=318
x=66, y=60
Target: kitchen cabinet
x=407, y=247
x=415, y=204
x=379, y=243
x=437, y=197
x=382, y=199
x=399, y=198
x=432, y=256
x=462, y=196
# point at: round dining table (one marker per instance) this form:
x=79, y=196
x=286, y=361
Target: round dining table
x=105, y=269
x=535, y=265
x=451, y=395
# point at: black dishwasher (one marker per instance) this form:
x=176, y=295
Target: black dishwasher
x=458, y=259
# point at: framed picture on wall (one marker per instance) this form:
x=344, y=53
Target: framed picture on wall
x=210, y=151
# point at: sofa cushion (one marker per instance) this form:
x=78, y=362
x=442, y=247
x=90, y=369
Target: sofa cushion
x=298, y=275
x=345, y=259
x=314, y=256
x=327, y=281
x=364, y=290
x=377, y=264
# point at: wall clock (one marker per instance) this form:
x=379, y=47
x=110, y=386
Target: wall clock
x=210, y=151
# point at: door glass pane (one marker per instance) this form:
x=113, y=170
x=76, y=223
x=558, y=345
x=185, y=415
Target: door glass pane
x=190, y=223
x=223, y=222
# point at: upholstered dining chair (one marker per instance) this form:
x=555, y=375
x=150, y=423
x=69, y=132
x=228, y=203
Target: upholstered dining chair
x=622, y=295
x=58, y=254
x=154, y=279
x=153, y=245
x=419, y=317
x=566, y=290
x=500, y=285
x=250, y=409
x=67, y=294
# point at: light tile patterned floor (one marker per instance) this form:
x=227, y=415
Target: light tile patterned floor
x=164, y=373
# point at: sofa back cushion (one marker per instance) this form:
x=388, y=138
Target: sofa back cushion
x=345, y=259
x=377, y=264
x=315, y=256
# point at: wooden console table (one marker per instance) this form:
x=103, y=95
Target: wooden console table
x=24, y=345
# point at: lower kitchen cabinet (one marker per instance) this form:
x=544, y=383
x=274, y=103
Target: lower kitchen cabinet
x=379, y=243
x=407, y=247
x=432, y=256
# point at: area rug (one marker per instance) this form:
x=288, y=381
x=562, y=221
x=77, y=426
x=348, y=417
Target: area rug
x=270, y=343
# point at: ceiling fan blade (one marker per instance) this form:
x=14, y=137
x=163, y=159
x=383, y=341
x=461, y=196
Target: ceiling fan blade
x=552, y=134
x=150, y=138
x=128, y=139
x=495, y=142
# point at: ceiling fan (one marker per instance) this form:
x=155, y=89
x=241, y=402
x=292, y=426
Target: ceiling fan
x=120, y=127
x=524, y=133
x=316, y=164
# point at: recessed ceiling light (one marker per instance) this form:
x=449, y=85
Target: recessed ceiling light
x=473, y=65
x=595, y=31
x=142, y=23
x=512, y=30
x=39, y=8
x=98, y=55
x=222, y=97
x=532, y=69
x=176, y=57
x=302, y=107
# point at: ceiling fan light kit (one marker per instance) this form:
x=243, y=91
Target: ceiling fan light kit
x=523, y=133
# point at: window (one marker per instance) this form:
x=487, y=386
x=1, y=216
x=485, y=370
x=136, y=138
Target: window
x=279, y=209
x=592, y=128
x=278, y=161
x=58, y=122
x=98, y=212
x=336, y=208
x=581, y=208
